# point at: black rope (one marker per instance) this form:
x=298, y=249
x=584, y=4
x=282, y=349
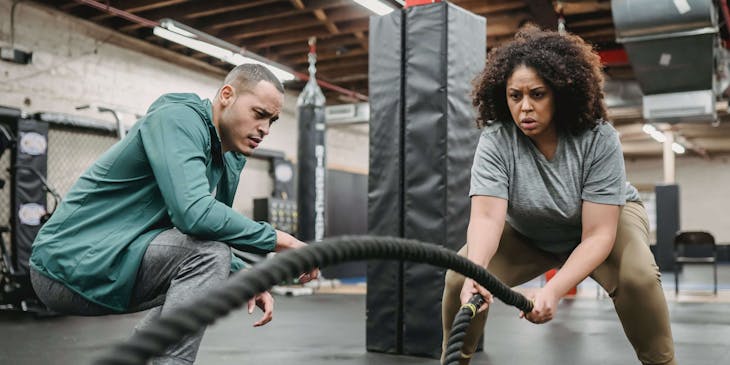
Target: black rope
x=459, y=328
x=244, y=285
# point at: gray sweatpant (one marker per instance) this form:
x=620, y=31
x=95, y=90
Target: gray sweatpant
x=175, y=268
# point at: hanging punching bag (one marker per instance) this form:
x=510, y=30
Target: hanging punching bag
x=311, y=157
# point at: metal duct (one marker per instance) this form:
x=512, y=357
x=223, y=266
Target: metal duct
x=672, y=47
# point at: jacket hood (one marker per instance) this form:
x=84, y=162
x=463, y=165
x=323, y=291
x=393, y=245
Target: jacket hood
x=193, y=101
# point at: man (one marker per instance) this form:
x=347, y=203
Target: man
x=150, y=224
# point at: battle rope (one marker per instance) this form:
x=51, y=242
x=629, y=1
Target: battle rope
x=459, y=327
x=244, y=285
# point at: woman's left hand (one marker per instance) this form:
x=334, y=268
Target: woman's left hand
x=545, y=305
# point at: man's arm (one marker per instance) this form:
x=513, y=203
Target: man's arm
x=175, y=146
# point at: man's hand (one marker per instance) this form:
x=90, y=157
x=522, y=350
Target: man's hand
x=545, y=305
x=470, y=288
x=266, y=302
x=285, y=241
x=309, y=276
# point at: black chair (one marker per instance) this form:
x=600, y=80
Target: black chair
x=694, y=247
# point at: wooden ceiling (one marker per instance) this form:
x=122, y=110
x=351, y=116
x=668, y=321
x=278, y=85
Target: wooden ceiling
x=279, y=30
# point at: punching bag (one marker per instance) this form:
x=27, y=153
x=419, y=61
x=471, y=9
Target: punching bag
x=311, y=157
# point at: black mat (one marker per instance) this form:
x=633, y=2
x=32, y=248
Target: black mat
x=330, y=329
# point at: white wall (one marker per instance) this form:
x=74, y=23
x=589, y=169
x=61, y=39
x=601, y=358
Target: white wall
x=76, y=62
x=704, y=188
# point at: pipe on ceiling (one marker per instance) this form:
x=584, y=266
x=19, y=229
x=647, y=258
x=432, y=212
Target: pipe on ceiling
x=151, y=24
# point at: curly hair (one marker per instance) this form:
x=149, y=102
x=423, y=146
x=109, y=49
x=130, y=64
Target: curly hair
x=566, y=63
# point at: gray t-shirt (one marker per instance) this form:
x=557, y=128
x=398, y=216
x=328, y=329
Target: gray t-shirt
x=545, y=196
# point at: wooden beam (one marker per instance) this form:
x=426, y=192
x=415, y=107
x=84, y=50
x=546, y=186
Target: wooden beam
x=295, y=36
x=482, y=7
x=232, y=18
x=225, y=6
x=322, y=56
x=339, y=43
x=263, y=28
x=198, y=9
x=543, y=13
x=325, y=4
x=304, y=34
x=337, y=74
x=505, y=25
x=364, y=42
x=340, y=64
x=345, y=13
x=297, y=4
x=322, y=17
x=599, y=22
x=589, y=6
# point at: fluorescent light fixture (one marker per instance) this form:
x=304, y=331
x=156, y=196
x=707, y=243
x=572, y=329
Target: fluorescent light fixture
x=654, y=133
x=376, y=6
x=201, y=42
x=659, y=137
x=677, y=148
x=648, y=128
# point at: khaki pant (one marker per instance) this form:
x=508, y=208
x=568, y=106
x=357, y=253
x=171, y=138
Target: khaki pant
x=629, y=275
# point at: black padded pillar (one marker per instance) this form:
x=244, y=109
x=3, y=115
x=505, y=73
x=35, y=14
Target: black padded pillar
x=667, y=224
x=28, y=166
x=422, y=141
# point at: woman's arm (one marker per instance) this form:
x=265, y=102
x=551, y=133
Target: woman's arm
x=482, y=238
x=600, y=222
x=485, y=228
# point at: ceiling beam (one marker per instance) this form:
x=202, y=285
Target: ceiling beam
x=543, y=13
x=322, y=56
x=262, y=28
x=505, y=25
x=587, y=6
x=304, y=35
x=482, y=7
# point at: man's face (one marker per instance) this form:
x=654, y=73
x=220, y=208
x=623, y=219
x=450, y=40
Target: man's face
x=246, y=117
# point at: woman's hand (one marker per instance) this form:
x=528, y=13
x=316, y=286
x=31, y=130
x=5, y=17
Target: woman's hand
x=545, y=305
x=470, y=288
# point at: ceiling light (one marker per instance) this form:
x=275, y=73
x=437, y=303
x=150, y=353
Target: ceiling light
x=677, y=148
x=214, y=47
x=376, y=6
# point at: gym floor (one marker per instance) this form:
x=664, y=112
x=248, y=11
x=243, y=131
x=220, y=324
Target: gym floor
x=328, y=328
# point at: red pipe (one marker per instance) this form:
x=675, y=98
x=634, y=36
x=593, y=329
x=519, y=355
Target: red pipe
x=410, y=3
x=120, y=13
x=149, y=23
x=614, y=57
x=726, y=15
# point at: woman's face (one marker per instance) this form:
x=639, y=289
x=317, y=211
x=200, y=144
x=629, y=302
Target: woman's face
x=530, y=101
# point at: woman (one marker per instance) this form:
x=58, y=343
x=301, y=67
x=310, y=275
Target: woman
x=548, y=189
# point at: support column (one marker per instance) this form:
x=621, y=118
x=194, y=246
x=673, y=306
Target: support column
x=422, y=141
x=669, y=164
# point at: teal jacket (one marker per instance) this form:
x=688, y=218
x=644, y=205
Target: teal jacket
x=167, y=172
